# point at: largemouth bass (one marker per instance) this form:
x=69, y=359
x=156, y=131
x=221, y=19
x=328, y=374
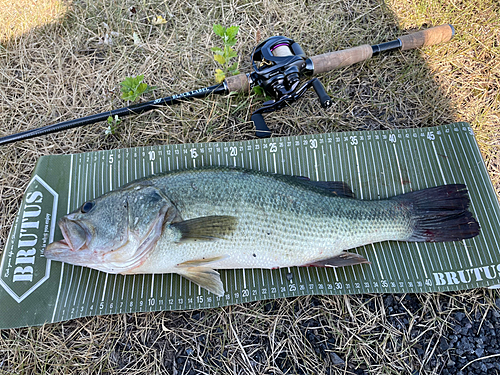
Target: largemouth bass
x=192, y=222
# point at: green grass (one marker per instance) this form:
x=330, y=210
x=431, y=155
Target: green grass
x=65, y=67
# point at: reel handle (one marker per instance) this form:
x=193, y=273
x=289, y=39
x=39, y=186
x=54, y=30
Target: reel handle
x=261, y=129
x=324, y=98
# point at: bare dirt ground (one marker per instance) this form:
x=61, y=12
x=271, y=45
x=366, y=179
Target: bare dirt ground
x=60, y=61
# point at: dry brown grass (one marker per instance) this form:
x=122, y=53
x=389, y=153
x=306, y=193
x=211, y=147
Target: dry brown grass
x=21, y=16
x=64, y=69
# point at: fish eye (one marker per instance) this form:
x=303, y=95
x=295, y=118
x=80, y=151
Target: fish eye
x=87, y=206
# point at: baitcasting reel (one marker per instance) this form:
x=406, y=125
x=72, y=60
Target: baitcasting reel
x=278, y=64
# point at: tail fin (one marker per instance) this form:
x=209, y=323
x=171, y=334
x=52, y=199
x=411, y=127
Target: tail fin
x=440, y=214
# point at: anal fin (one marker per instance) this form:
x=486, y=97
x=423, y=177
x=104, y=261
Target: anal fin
x=342, y=260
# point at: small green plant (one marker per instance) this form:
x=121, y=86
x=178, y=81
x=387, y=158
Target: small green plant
x=133, y=87
x=261, y=94
x=224, y=55
x=112, y=124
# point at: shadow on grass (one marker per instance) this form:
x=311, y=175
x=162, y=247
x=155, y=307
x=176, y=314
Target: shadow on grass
x=18, y=17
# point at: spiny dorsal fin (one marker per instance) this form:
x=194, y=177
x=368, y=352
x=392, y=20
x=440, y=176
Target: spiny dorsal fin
x=342, y=260
x=207, y=228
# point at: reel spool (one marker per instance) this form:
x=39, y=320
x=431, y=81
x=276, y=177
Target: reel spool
x=278, y=65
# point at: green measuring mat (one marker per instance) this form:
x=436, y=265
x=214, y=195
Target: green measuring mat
x=375, y=164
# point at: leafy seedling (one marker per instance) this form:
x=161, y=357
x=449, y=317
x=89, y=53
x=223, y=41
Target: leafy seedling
x=224, y=55
x=133, y=87
x=261, y=95
x=112, y=124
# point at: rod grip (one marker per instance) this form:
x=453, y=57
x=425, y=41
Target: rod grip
x=238, y=83
x=333, y=60
x=428, y=37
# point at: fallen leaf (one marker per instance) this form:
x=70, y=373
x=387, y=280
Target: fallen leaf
x=137, y=39
x=158, y=20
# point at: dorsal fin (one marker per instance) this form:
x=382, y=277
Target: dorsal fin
x=337, y=188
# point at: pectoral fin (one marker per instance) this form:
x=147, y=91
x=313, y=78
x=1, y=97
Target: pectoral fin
x=342, y=260
x=207, y=228
x=205, y=277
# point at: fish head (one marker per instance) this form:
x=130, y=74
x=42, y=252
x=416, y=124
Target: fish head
x=115, y=232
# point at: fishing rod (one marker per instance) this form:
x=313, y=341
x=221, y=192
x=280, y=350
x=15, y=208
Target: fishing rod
x=279, y=63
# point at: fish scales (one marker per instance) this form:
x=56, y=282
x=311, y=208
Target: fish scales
x=192, y=222
x=283, y=222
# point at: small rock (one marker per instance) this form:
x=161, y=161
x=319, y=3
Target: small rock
x=465, y=328
x=475, y=365
x=459, y=316
x=389, y=300
x=443, y=345
x=336, y=360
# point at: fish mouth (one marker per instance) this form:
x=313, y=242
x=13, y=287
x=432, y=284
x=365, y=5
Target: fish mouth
x=73, y=244
x=75, y=248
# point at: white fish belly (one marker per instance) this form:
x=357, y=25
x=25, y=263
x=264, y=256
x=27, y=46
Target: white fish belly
x=275, y=241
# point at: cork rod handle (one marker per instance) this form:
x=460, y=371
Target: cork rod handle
x=338, y=59
x=429, y=37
